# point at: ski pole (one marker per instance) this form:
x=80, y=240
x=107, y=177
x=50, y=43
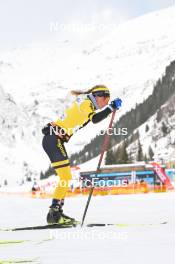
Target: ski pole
x=104, y=147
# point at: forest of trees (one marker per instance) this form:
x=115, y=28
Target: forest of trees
x=121, y=155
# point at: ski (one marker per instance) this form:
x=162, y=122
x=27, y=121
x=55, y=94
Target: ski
x=126, y=225
x=48, y=226
x=78, y=224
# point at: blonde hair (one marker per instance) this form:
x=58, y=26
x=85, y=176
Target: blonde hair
x=78, y=92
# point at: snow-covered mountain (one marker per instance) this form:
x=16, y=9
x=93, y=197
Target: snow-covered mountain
x=35, y=81
x=158, y=132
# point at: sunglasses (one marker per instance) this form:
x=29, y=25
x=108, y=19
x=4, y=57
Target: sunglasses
x=101, y=94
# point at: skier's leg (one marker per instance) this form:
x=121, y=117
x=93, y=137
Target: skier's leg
x=56, y=151
x=65, y=176
x=55, y=214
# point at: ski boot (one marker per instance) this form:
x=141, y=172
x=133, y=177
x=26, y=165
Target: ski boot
x=56, y=216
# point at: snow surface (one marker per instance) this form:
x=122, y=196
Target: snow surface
x=139, y=242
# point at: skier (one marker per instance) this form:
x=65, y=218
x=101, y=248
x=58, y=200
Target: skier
x=82, y=111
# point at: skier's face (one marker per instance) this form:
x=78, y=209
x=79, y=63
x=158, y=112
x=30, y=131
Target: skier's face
x=102, y=101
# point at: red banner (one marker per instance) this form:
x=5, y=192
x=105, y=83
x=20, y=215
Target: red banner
x=162, y=175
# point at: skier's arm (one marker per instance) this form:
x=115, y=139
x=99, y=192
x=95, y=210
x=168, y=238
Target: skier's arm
x=101, y=115
x=114, y=105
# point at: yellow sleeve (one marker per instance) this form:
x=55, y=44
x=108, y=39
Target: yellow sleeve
x=87, y=108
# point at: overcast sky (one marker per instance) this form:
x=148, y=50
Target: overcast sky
x=23, y=22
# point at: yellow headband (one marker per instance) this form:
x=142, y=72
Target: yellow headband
x=100, y=89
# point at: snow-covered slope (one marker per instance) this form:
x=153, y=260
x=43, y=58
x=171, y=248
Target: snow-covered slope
x=37, y=78
x=161, y=133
